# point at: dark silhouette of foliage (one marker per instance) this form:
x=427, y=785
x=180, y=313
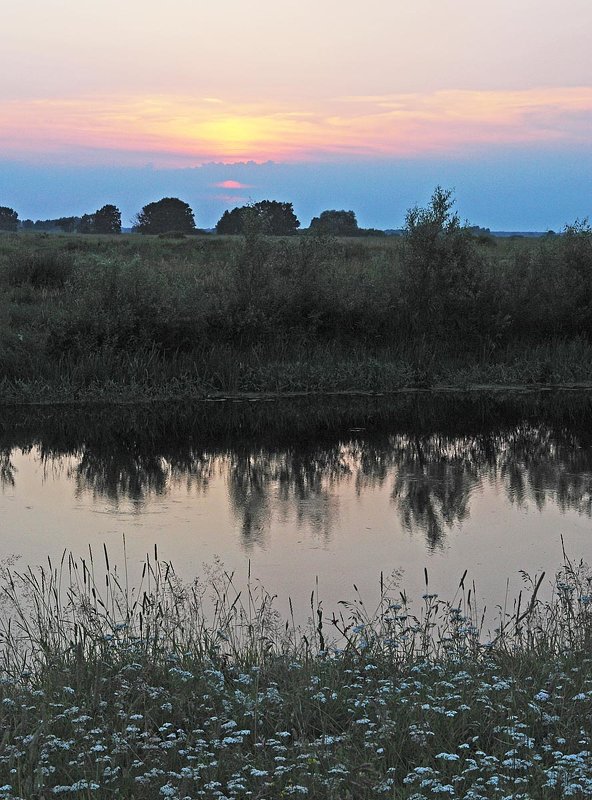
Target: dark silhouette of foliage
x=230, y=223
x=67, y=224
x=8, y=219
x=276, y=219
x=440, y=269
x=86, y=224
x=335, y=223
x=432, y=295
x=108, y=219
x=576, y=246
x=64, y=224
x=105, y=220
x=370, y=232
x=168, y=214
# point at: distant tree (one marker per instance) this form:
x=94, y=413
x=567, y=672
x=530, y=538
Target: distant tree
x=335, y=223
x=47, y=225
x=67, y=224
x=231, y=222
x=27, y=224
x=87, y=223
x=168, y=214
x=278, y=218
x=108, y=219
x=482, y=235
x=370, y=232
x=275, y=218
x=8, y=219
x=105, y=220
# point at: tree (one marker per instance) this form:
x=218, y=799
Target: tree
x=86, y=224
x=67, y=224
x=275, y=218
x=278, y=218
x=8, y=219
x=42, y=225
x=107, y=220
x=164, y=216
x=335, y=223
x=231, y=222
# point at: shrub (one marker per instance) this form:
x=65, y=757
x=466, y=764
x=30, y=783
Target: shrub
x=440, y=269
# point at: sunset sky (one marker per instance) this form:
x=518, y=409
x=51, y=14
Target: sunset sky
x=328, y=104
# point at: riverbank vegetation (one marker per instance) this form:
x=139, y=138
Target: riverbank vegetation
x=114, y=685
x=94, y=317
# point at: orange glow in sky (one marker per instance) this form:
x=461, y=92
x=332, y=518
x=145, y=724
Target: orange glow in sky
x=184, y=130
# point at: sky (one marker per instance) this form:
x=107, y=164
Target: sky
x=326, y=104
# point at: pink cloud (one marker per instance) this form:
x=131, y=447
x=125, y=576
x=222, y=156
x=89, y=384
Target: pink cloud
x=232, y=185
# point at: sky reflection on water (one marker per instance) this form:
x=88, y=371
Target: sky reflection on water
x=403, y=493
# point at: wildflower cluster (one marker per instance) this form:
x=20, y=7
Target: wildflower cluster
x=336, y=727
x=281, y=718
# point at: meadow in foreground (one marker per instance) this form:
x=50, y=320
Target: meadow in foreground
x=186, y=691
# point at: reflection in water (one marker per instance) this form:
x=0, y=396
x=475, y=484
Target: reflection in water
x=432, y=491
x=430, y=464
x=286, y=484
x=249, y=480
x=121, y=475
x=6, y=468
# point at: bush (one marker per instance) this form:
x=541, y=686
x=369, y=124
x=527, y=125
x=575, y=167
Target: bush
x=441, y=270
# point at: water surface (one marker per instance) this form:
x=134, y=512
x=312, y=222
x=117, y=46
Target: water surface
x=336, y=491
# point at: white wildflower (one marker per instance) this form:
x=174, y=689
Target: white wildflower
x=448, y=756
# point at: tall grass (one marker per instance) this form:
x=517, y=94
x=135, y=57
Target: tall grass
x=153, y=688
x=253, y=313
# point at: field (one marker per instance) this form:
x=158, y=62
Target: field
x=138, y=317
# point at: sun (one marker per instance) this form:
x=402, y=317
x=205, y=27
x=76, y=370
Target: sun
x=236, y=136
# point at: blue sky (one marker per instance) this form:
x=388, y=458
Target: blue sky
x=500, y=190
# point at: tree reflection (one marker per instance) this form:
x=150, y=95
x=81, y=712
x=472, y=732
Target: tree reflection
x=267, y=486
x=431, y=468
x=541, y=466
x=119, y=476
x=124, y=475
x=433, y=485
x=7, y=471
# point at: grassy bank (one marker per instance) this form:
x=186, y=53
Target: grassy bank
x=193, y=691
x=134, y=317
x=321, y=368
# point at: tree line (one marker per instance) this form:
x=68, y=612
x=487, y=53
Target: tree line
x=104, y=220
x=172, y=215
